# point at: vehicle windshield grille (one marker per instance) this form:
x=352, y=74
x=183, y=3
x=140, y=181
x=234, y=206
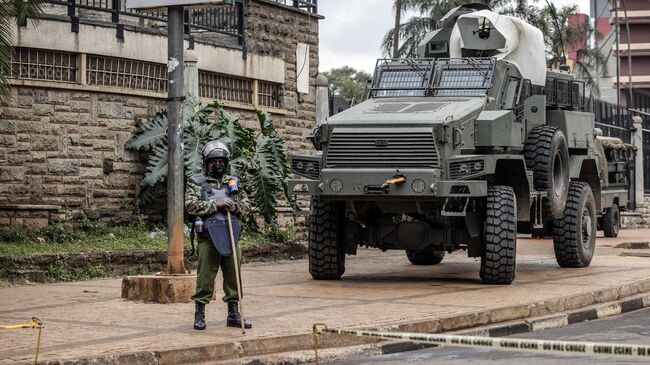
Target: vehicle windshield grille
x=432, y=77
x=382, y=148
x=463, y=76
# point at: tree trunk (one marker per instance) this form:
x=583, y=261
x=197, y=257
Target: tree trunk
x=398, y=13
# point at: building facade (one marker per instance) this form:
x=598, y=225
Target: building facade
x=89, y=72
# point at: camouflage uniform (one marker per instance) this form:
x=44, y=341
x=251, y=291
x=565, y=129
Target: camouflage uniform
x=209, y=258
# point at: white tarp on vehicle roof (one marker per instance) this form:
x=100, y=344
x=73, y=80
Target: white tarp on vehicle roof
x=524, y=44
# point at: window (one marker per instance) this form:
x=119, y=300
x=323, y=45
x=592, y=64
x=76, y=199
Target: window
x=125, y=73
x=35, y=64
x=269, y=94
x=222, y=87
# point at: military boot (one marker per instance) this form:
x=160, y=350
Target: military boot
x=199, y=316
x=234, y=318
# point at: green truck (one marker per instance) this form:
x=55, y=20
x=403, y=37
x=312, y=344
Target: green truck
x=458, y=149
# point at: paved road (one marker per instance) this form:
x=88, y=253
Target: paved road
x=90, y=320
x=633, y=328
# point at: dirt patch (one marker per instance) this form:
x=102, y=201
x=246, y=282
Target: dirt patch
x=635, y=254
x=274, y=252
x=634, y=245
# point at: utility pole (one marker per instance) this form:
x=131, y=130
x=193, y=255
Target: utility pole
x=618, y=59
x=175, y=174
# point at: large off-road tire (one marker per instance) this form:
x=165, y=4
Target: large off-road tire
x=498, y=262
x=611, y=221
x=326, y=255
x=574, y=235
x=547, y=155
x=425, y=257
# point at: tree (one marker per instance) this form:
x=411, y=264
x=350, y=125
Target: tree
x=414, y=29
x=347, y=82
x=258, y=158
x=398, y=15
x=559, y=36
x=13, y=11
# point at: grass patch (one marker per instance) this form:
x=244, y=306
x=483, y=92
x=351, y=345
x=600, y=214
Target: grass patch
x=87, y=237
x=98, y=236
x=58, y=273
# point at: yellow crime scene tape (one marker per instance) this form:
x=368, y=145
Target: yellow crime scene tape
x=33, y=323
x=574, y=348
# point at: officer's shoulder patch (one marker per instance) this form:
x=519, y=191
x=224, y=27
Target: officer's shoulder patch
x=198, y=179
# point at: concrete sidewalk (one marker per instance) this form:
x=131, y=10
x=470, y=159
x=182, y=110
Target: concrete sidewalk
x=85, y=320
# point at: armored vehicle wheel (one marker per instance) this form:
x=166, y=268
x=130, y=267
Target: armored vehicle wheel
x=500, y=236
x=425, y=257
x=547, y=155
x=574, y=235
x=611, y=221
x=326, y=256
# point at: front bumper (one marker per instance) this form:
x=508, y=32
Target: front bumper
x=426, y=183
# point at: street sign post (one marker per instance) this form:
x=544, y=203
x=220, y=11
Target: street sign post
x=155, y=4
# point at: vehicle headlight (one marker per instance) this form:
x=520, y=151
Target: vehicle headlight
x=336, y=185
x=418, y=185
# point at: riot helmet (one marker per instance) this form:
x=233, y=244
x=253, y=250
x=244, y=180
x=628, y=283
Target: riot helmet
x=215, y=150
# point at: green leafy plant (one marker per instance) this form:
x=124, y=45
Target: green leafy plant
x=257, y=157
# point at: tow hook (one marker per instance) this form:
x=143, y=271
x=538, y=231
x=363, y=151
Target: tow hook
x=397, y=179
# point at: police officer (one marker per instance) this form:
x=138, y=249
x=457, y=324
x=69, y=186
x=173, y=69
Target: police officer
x=210, y=196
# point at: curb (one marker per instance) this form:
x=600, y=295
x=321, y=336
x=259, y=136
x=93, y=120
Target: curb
x=599, y=311
x=503, y=321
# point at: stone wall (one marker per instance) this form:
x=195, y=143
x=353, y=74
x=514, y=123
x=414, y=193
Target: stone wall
x=62, y=155
x=66, y=148
x=639, y=218
x=275, y=30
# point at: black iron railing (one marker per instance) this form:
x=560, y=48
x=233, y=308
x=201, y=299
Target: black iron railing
x=228, y=20
x=310, y=6
x=615, y=121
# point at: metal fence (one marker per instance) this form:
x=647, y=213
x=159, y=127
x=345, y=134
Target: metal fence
x=310, y=6
x=615, y=121
x=227, y=20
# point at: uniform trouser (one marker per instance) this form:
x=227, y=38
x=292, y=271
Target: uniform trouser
x=210, y=260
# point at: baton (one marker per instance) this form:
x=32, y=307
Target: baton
x=236, y=259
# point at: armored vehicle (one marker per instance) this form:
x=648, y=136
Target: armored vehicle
x=615, y=159
x=457, y=149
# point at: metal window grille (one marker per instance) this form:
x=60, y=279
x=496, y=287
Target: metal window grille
x=221, y=87
x=464, y=76
x=269, y=94
x=34, y=64
x=402, y=77
x=125, y=73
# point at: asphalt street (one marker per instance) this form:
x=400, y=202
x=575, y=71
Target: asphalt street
x=630, y=328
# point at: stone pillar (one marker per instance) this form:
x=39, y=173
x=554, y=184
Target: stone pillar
x=322, y=99
x=191, y=74
x=637, y=141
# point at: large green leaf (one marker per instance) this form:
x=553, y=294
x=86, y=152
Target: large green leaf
x=157, y=168
x=153, y=133
x=266, y=123
x=261, y=163
x=194, y=109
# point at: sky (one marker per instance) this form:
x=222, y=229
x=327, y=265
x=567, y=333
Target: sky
x=352, y=31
